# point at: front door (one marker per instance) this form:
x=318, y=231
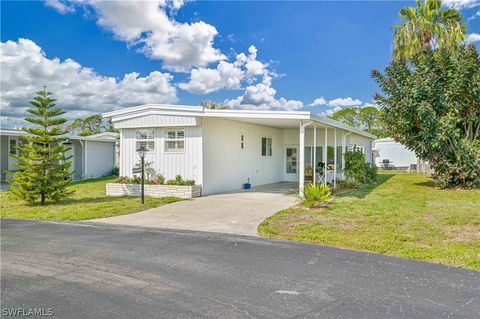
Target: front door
x=291, y=163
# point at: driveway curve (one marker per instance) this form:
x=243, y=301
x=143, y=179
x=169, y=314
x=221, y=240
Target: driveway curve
x=231, y=213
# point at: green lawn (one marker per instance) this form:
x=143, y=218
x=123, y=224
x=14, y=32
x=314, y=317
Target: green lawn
x=88, y=202
x=403, y=215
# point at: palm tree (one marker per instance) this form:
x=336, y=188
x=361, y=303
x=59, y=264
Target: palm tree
x=428, y=26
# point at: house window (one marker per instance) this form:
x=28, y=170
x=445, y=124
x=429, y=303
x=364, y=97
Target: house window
x=13, y=147
x=175, y=140
x=266, y=146
x=146, y=139
x=242, y=141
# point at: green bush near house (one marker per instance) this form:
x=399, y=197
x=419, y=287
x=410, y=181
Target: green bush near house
x=179, y=181
x=357, y=169
x=158, y=180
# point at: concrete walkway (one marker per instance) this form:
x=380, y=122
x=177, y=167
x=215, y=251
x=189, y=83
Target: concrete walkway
x=233, y=213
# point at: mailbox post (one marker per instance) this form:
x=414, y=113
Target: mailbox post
x=141, y=152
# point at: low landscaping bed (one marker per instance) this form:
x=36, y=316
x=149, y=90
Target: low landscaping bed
x=88, y=202
x=402, y=215
x=117, y=189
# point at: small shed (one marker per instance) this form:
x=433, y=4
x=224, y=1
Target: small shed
x=391, y=154
x=93, y=156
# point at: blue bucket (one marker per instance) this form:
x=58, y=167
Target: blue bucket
x=247, y=186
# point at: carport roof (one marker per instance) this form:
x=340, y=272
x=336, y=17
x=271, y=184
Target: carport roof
x=280, y=119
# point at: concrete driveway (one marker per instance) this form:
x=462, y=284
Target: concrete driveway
x=233, y=213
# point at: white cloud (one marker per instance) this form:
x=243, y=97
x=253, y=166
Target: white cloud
x=461, y=4
x=262, y=97
x=205, y=80
x=226, y=75
x=180, y=46
x=318, y=101
x=60, y=6
x=473, y=37
x=330, y=112
x=80, y=90
x=347, y=102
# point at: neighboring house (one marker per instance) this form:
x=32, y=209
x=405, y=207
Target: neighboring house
x=223, y=149
x=390, y=154
x=93, y=156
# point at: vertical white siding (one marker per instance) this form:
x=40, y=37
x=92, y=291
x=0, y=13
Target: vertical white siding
x=188, y=163
x=226, y=166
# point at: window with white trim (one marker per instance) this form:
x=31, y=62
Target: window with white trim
x=175, y=140
x=13, y=147
x=146, y=138
x=266, y=146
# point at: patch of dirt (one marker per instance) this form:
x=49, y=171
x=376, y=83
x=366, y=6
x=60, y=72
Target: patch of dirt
x=430, y=217
x=305, y=219
x=463, y=233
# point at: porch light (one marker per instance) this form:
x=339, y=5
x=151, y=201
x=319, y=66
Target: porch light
x=141, y=152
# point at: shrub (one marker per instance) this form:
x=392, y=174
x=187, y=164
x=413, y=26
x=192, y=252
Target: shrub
x=316, y=194
x=115, y=171
x=370, y=173
x=356, y=169
x=158, y=180
x=347, y=184
x=179, y=181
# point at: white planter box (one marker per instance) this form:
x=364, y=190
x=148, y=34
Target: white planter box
x=116, y=189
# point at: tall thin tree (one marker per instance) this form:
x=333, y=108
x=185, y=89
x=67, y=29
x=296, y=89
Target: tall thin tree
x=43, y=169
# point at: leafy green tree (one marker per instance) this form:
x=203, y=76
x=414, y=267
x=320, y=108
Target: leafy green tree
x=90, y=125
x=208, y=104
x=431, y=104
x=43, y=170
x=428, y=26
x=348, y=116
x=365, y=118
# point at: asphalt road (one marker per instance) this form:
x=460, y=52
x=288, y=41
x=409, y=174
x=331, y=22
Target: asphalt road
x=101, y=271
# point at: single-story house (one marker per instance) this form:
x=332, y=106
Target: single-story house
x=223, y=149
x=93, y=156
x=391, y=154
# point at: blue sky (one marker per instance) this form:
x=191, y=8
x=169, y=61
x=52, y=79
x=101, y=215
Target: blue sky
x=302, y=51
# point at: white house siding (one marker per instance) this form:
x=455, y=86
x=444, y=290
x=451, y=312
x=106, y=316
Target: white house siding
x=3, y=156
x=226, y=166
x=157, y=120
x=188, y=163
x=99, y=158
x=355, y=139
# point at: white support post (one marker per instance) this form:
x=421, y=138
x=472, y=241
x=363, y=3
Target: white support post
x=335, y=158
x=325, y=157
x=301, y=159
x=314, y=154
